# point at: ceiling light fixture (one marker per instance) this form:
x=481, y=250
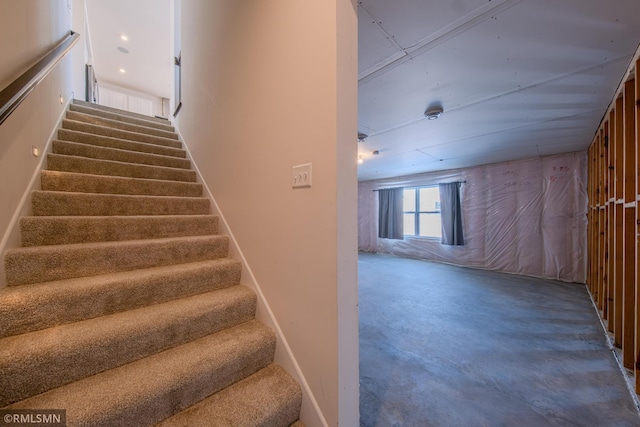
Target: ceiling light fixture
x=122, y=49
x=360, y=159
x=122, y=70
x=123, y=37
x=362, y=137
x=433, y=113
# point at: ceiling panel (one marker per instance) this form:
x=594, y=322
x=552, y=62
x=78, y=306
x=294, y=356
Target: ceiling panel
x=376, y=50
x=509, y=75
x=411, y=22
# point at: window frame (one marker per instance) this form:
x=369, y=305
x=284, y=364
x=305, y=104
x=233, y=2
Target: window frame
x=416, y=213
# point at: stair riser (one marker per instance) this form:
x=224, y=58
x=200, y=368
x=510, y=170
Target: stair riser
x=121, y=144
x=270, y=397
x=57, y=303
x=120, y=117
x=84, y=183
x=120, y=134
x=121, y=112
x=172, y=380
x=47, y=263
x=81, y=204
x=102, y=153
x=103, y=167
x=114, y=124
x=39, y=231
x=89, y=348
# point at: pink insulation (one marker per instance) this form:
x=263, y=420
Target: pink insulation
x=526, y=217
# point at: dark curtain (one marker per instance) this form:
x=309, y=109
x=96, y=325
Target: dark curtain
x=451, y=214
x=390, y=214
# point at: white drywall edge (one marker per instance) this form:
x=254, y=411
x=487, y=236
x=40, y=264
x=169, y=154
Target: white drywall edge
x=11, y=238
x=286, y=357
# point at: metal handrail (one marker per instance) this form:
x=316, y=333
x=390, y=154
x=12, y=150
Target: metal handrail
x=20, y=88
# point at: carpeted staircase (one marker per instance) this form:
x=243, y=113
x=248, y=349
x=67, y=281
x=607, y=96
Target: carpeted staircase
x=122, y=306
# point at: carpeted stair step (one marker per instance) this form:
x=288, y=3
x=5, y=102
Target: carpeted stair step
x=122, y=144
x=43, y=305
x=149, y=390
x=114, y=154
x=117, y=124
x=120, y=117
x=35, y=362
x=268, y=398
x=46, y=263
x=85, y=165
x=85, y=183
x=120, y=134
x=298, y=424
x=119, y=111
x=58, y=203
x=61, y=230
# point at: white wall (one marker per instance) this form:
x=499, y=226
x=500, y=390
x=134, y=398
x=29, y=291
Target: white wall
x=526, y=217
x=79, y=55
x=127, y=99
x=266, y=86
x=28, y=30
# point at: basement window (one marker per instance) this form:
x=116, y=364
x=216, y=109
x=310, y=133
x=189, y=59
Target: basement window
x=421, y=209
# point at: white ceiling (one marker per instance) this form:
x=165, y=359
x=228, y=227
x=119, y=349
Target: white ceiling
x=147, y=24
x=516, y=78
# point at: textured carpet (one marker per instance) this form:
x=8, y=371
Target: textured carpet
x=123, y=307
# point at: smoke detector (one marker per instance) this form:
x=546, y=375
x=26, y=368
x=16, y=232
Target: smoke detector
x=433, y=113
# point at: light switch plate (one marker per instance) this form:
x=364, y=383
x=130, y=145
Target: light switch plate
x=301, y=176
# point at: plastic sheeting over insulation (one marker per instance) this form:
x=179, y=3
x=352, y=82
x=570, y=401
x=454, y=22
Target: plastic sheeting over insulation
x=526, y=217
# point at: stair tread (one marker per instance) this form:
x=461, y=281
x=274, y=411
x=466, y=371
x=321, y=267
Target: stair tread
x=76, y=182
x=79, y=149
x=47, y=263
x=156, y=387
x=118, y=124
x=120, y=134
x=122, y=117
x=61, y=162
x=108, y=141
x=54, y=203
x=270, y=397
x=41, y=305
x=34, y=362
x=120, y=111
x=57, y=230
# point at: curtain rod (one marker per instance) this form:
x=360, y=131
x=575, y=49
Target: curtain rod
x=393, y=188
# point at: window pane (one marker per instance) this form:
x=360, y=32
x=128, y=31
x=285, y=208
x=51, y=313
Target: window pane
x=429, y=199
x=409, y=200
x=409, y=224
x=430, y=225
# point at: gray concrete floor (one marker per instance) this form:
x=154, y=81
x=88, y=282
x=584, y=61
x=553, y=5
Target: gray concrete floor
x=449, y=346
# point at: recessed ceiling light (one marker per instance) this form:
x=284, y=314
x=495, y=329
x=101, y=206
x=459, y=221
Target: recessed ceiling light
x=123, y=37
x=122, y=49
x=122, y=70
x=360, y=159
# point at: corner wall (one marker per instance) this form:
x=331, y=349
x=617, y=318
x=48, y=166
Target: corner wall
x=526, y=217
x=28, y=30
x=266, y=86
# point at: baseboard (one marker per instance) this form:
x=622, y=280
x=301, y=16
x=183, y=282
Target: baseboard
x=311, y=414
x=11, y=238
